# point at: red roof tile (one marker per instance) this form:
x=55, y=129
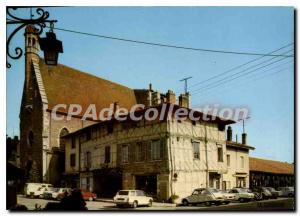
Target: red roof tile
x=270, y=166
x=65, y=85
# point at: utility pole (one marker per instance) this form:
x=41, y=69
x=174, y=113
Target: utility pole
x=185, y=83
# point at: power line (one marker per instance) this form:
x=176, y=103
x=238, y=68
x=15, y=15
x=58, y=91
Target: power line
x=215, y=82
x=168, y=45
x=239, y=66
x=252, y=80
x=218, y=84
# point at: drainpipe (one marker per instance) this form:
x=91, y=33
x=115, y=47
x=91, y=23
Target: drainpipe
x=206, y=154
x=171, y=160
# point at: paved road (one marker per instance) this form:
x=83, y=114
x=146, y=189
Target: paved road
x=278, y=204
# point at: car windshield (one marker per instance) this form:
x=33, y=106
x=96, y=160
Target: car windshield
x=123, y=192
x=212, y=190
x=243, y=190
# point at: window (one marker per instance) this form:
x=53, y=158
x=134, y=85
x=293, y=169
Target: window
x=125, y=153
x=157, y=148
x=220, y=154
x=228, y=160
x=242, y=162
x=72, y=160
x=107, y=154
x=88, y=135
x=140, y=193
x=196, y=150
x=88, y=159
x=73, y=144
x=139, y=152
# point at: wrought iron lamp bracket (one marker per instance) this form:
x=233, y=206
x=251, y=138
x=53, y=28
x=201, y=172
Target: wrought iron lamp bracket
x=39, y=22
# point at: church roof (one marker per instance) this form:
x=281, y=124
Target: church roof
x=65, y=85
x=270, y=166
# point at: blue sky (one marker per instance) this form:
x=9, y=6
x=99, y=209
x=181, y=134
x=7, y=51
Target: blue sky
x=268, y=94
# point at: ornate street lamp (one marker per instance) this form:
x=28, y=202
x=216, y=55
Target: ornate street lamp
x=51, y=46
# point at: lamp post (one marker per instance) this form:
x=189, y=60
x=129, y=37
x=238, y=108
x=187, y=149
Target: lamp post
x=50, y=45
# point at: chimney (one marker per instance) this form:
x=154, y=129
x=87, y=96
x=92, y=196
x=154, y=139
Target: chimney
x=244, y=138
x=229, y=134
x=150, y=86
x=171, y=98
x=184, y=100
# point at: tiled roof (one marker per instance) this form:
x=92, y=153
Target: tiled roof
x=270, y=166
x=65, y=85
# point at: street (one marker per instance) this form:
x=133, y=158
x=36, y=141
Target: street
x=266, y=205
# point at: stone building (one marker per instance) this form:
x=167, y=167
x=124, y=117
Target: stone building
x=270, y=173
x=45, y=87
x=162, y=157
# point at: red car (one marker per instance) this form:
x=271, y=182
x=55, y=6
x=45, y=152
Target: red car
x=88, y=195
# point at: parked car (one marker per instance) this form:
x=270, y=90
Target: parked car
x=242, y=194
x=262, y=193
x=87, y=195
x=208, y=196
x=133, y=198
x=275, y=193
x=229, y=197
x=56, y=193
x=36, y=189
x=287, y=191
x=48, y=194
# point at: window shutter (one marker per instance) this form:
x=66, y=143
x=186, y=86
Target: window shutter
x=148, y=154
x=162, y=148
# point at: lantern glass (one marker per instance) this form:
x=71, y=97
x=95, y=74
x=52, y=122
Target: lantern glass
x=51, y=57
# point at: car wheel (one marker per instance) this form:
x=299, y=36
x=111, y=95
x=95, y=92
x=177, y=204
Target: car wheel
x=135, y=204
x=242, y=200
x=91, y=199
x=185, y=202
x=150, y=203
x=290, y=195
x=119, y=206
x=208, y=203
x=226, y=203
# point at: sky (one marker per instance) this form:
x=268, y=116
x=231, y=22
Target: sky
x=267, y=92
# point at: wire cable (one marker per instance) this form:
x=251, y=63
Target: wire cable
x=239, y=66
x=216, y=82
x=167, y=45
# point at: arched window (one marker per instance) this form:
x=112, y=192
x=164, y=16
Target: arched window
x=29, y=41
x=30, y=139
x=33, y=42
x=63, y=132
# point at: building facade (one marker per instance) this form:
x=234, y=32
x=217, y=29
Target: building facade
x=162, y=157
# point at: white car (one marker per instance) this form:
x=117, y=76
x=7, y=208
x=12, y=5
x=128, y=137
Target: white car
x=133, y=198
x=242, y=194
x=229, y=197
x=56, y=193
x=36, y=189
